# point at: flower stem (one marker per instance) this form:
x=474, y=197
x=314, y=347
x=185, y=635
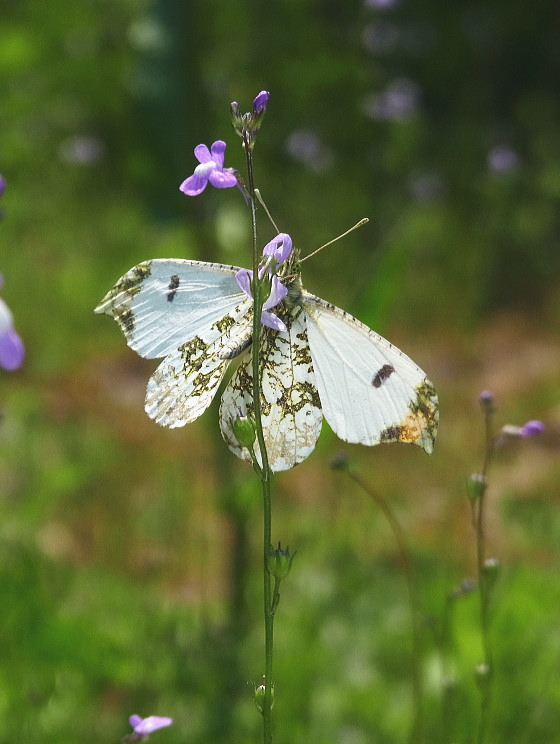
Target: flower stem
x=263, y=469
x=485, y=670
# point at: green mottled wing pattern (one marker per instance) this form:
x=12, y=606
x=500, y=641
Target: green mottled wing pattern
x=290, y=406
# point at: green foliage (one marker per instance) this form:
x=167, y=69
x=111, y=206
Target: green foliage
x=127, y=553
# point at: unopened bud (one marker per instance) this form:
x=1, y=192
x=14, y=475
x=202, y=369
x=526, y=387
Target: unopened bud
x=476, y=486
x=486, y=399
x=483, y=676
x=259, y=697
x=279, y=562
x=245, y=431
x=340, y=461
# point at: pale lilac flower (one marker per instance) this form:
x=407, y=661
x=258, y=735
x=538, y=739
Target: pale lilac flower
x=145, y=726
x=277, y=293
x=211, y=169
x=279, y=248
x=12, y=351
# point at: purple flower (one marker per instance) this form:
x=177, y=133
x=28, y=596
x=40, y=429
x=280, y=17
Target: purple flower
x=277, y=293
x=260, y=101
x=279, y=248
x=2, y=185
x=528, y=430
x=531, y=429
x=211, y=169
x=12, y=351
x=145, y=726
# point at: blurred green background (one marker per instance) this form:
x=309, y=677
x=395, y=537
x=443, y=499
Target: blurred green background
x=130, y=555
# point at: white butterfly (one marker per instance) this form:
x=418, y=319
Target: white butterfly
x=325, y=362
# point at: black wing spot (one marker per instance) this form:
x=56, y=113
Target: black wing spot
x=384, y=373
x=173, y=286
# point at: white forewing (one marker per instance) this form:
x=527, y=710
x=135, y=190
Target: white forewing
x=184, y=384
x=290, y=406
x=164, y=303
x=370, y=391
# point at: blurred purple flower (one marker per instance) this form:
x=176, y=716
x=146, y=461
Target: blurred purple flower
x=145, y=726
x=397, y=102
x=502, y=159
x=528, y=430
x=2, y=189
x=381, y=4
x=81, y=150
x=211, y=169
x=12, y=351
x=306, y=146
x=531, y=429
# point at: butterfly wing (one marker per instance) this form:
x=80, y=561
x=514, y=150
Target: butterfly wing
x=163, y=303
x=370, y=391
x=290, y=406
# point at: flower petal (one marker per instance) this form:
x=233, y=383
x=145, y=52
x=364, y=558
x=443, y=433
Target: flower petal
x=273, y=321
x=277, y=293
x=260, y=101
x=202, y=154
x=222, y=179
x=243, y=278
x=279, y=248
x=195, y=184
x=218, y=149
x=145, y=726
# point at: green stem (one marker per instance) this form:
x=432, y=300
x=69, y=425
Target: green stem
x=264, y=468
x=486, y=673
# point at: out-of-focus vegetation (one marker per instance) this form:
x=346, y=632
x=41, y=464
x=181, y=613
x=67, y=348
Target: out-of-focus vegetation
x=130, y=555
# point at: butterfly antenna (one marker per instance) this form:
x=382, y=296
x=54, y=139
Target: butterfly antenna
x=259, y=197
x=355, y=227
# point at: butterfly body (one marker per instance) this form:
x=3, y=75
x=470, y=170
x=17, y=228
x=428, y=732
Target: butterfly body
x=325, y=363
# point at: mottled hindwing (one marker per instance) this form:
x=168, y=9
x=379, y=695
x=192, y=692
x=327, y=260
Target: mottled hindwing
x=184, y=384
x=370, y=391
x=164, y=303
x=291, y=409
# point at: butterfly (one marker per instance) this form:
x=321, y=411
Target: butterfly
x=322, y=363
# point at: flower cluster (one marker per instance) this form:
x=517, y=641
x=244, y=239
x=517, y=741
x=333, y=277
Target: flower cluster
x=211, y=169
x=274, y=253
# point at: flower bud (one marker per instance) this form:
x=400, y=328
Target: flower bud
x=245, y=431
x=483, y=676
x=340, y=461
x=260, y=101
x=486, y=399
x=491, y=569
x=476, y=486
x=279, y=562
x=259, y=697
